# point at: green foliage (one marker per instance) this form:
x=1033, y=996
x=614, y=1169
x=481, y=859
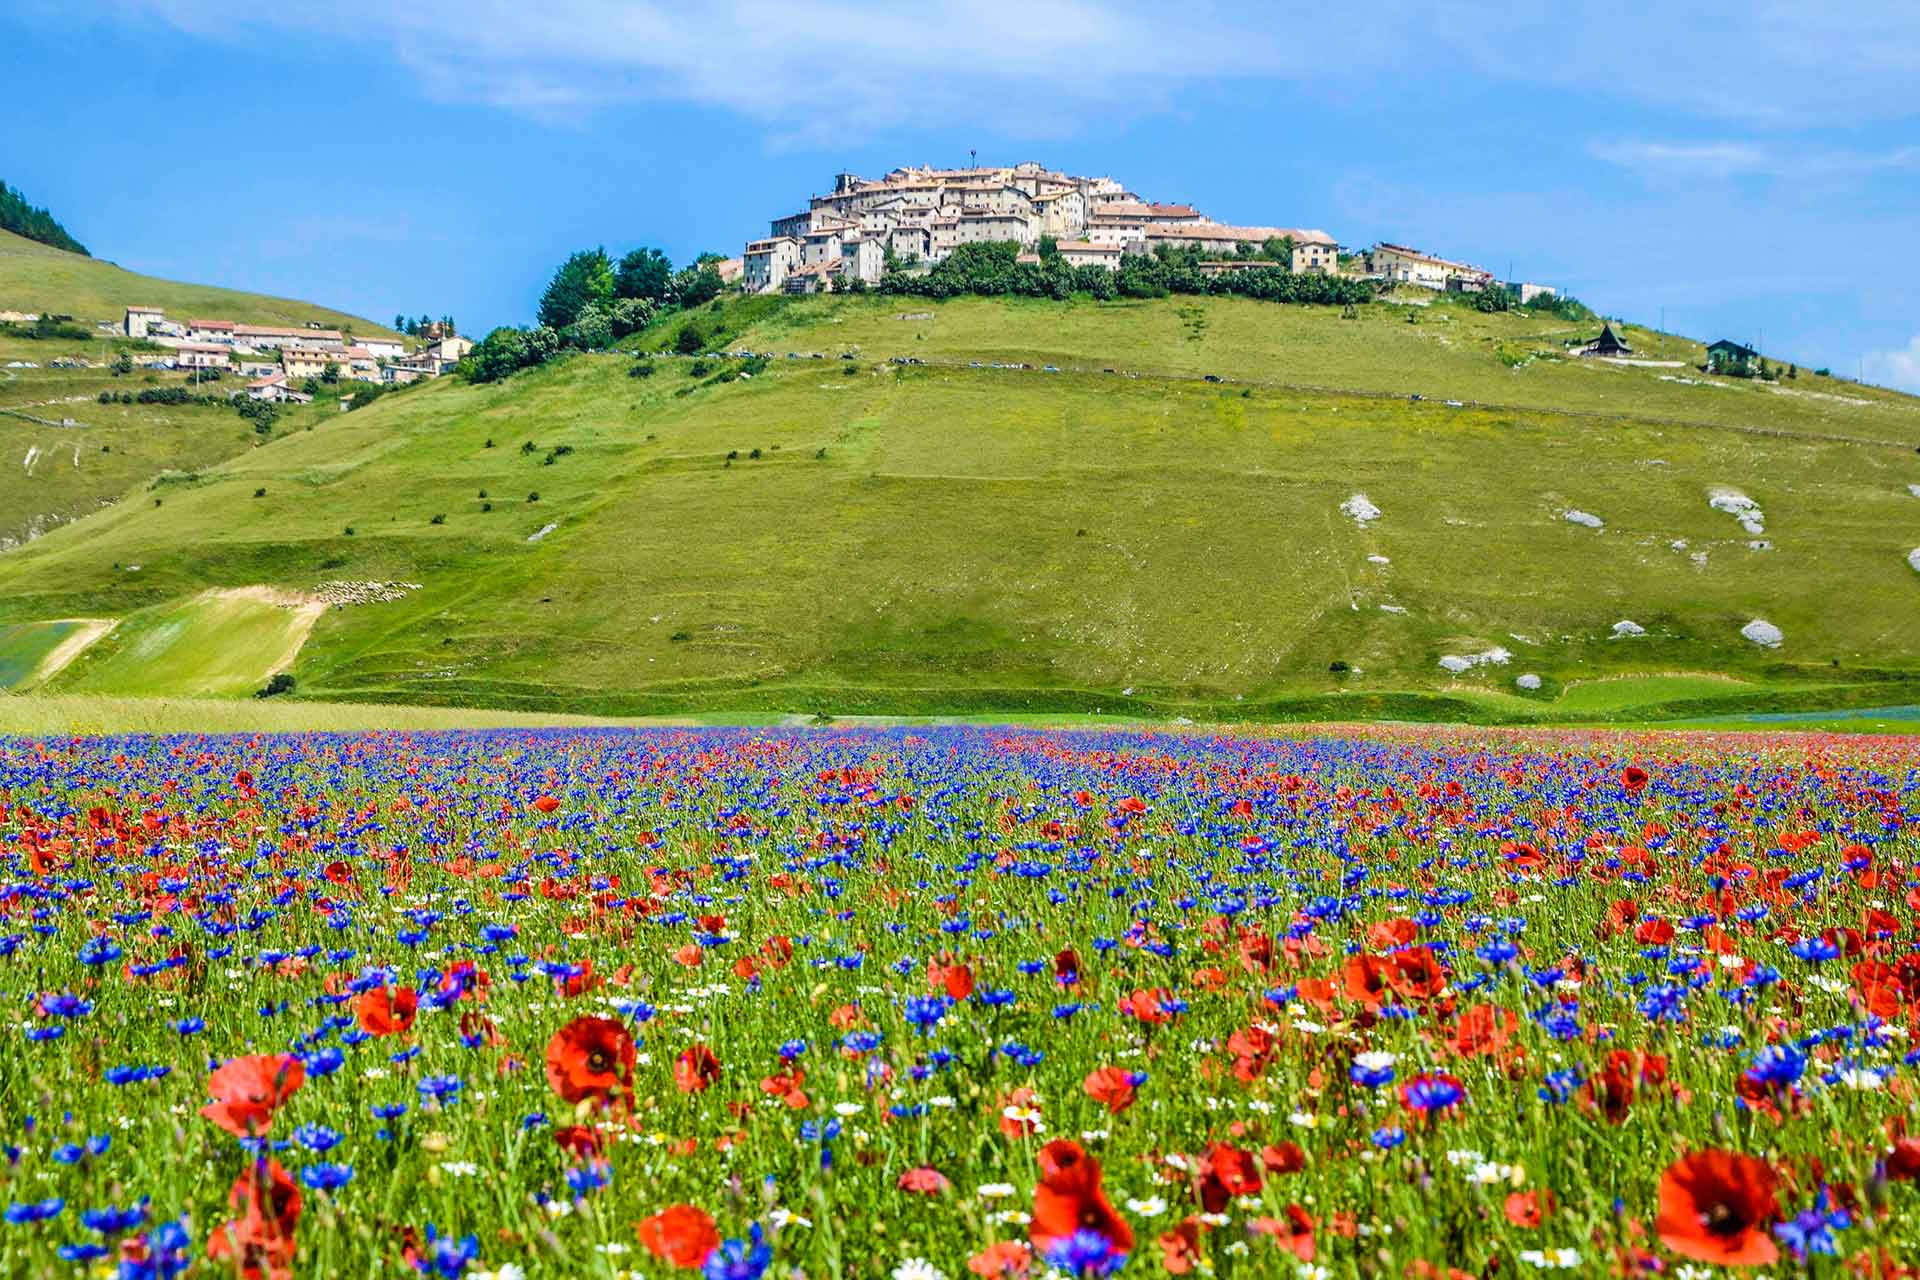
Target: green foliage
x=631, y=315
x=584, y=279
x=1495, y=297
x=697, y=285
x=992, y=269
x=281, y=683
x=692, y=339
x=47, y=328
x=592, y=329
x=506, y=351
x=23, y=219
x=645, y=275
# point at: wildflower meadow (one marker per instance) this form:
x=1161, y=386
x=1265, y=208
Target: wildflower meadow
x=921, y=1003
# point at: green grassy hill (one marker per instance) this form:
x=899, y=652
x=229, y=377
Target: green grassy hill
x=859, y=535
x=37, y=278
x=62, y=454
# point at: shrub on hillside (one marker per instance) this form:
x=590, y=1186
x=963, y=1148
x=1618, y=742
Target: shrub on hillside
x=506, y=350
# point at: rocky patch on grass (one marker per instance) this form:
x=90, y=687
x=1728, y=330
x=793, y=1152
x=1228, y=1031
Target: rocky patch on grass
x=1626, y=628
x=1763, y=633
x=1460, y=663
x=1740, y=507
x=1361, y=509
x=341, y=593
x=1586, y=518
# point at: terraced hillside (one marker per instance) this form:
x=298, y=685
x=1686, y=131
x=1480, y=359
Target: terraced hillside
x=862, y=535
x=62, y=453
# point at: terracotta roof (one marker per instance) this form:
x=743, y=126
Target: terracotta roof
x=209, y=324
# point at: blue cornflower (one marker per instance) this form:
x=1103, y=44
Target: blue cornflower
x=327, y=1177
x=1084, y=1253
x=740, y=1259
x=446, y=1257
x=34, y=1211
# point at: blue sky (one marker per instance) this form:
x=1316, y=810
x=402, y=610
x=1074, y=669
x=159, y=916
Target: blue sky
x=1753, y=169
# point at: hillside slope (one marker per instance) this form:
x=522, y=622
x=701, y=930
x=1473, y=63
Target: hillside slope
x=65, y=454
x=860, y=535
x=37, y=278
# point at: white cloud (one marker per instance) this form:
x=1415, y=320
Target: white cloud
x=1694, y=160
x=1898, y=368
x=1045, y=67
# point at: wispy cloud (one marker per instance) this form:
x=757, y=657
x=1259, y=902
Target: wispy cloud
x=1898, y=368
x=1044, y=67
x=1749, y=159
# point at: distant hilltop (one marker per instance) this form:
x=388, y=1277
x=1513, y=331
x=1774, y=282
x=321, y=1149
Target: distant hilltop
x=916, y=217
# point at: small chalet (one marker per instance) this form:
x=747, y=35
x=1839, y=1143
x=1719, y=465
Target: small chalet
x=1733, y=359
x=1607, y=344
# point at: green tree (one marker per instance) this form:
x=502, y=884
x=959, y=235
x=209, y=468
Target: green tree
x=645, y=273
x=331, y=374
x=697, y=285
x=1049, y=248
x=584, y=278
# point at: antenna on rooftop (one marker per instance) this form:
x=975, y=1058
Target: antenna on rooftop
x=974, y=156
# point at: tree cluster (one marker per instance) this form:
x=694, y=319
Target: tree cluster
x=24, y=219
x=592, y=302
x=992, y=270
x=415, y=328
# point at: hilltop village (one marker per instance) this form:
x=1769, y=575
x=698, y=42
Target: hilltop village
x=912, y=218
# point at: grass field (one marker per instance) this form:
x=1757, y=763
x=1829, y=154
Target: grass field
x=951, y=540
x=44, y=716
x=217, y=642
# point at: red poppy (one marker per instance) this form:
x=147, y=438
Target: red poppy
x=1148, y=1005
x=680, y=1235
x=1363, y=979
x=925, y=1181
x=1226, y=1172
x=1529, y=1208
x=787, y=1086
x=591, y=1058
x=954, y=979
x=246, y=1091
x=1415, y=973
x=260, y=1242
x=1068, y=1199
x=386, y=1012
x=1001, y=1259
x=1294, y=1233
x=578, y=1141
x=1287, y=1157
x=695, y=1069
x=1633, y=778
x=546, y=804
x=1180, y=1247
x=1111, y=1087
x=1717, y=1207
x=1483, y=1029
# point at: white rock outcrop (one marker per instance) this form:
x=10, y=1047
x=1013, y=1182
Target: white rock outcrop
x=1361, y=508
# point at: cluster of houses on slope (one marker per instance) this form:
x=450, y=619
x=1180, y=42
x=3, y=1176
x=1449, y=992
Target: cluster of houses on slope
x=923, y=214
x=277, y=359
